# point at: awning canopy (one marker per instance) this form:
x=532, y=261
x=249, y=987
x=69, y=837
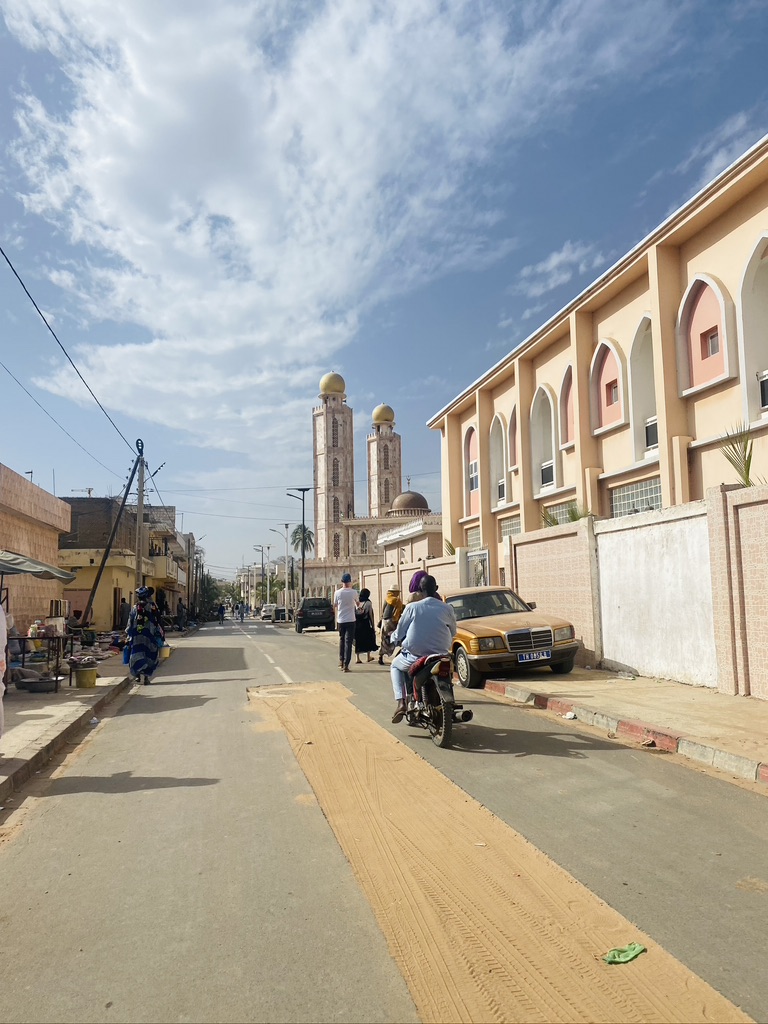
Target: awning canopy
x=12, y=564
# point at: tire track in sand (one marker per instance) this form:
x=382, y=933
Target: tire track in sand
x=483, y=926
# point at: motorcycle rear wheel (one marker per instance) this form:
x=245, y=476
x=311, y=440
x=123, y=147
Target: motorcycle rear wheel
x=440, y=722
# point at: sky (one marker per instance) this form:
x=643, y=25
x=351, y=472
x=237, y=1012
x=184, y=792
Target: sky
x=215, y=203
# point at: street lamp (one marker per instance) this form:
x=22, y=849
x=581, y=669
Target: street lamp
x=271, y=530
x=259, y=547
x=301, y=496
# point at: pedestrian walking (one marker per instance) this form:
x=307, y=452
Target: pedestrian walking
x=222, y=610
x=123, y=614
x=145, y=635
x=181, y=614
x=390, y=616
x=365, y=629
x=345, y=605
x=242, y=612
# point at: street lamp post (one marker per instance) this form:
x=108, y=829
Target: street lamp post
x=259, y=547
x=301, y=496
x=272, y=530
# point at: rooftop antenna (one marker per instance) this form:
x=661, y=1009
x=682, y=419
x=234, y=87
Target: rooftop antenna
x=83, y=490
x=28, y=472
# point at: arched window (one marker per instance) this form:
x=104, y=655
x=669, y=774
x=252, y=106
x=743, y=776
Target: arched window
x=336, y=511
x=385, y=457
x=607, y=387
x=754, y=308
x=705, y=332
x=471, y=473
x=387, y=494
x=335, y=473
x=334, y=433
x=498, y=473
x=642, y=390
x=543, y=462
x=336, y=545
x=566, y=410
x=513, y=439
x=363, y=544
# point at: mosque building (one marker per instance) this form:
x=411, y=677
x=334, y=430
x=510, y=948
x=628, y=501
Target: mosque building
x=344, y=540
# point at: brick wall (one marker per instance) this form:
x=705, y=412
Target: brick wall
x=92, y=521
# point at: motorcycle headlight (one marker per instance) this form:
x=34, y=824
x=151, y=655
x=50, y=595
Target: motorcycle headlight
x=564, y=633
x=491, y=643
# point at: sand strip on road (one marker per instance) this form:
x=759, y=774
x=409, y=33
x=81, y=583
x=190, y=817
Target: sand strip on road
x=483, y=925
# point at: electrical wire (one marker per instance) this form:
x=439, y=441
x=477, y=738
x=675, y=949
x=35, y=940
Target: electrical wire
x=89, y=454
x=69, y=358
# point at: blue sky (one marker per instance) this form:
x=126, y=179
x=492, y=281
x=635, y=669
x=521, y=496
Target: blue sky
x=217, y=203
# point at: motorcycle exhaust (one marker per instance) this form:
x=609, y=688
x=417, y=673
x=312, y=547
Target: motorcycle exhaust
x=467, y=716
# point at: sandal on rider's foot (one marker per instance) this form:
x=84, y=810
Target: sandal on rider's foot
x=399, y=714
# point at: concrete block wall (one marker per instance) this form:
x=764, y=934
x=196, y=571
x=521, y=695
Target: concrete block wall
x=554, y=567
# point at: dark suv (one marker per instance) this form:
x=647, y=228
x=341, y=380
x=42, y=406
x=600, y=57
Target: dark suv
x=315, y=611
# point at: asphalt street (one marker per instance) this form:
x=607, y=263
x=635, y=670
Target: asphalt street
x=177, y=866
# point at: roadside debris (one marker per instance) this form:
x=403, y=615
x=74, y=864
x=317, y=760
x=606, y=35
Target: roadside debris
x=624, y=954
x=94, y=720
x=570, y=715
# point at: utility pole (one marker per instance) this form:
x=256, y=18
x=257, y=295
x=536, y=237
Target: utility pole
x=139, y=521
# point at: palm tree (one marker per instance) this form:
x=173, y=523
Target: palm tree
x=309, y=538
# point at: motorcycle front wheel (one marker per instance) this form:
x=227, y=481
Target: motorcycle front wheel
x=440, y=720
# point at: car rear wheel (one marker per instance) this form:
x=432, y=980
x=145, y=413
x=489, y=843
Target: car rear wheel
x=563, y=667
x=468, y=676
x=298, y=627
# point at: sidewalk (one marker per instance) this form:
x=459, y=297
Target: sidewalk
x=39, y=724
x=729, y=733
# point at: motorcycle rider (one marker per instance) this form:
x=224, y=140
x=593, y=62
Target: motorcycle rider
x=425, y=627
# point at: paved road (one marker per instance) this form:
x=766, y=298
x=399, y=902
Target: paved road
x=179, y=868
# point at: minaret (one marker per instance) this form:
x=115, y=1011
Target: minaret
x=333, y=445
x=384, y=462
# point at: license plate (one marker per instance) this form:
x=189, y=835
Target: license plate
x=535, y=656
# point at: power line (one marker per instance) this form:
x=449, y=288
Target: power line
x=57, y=422
x=69, y=358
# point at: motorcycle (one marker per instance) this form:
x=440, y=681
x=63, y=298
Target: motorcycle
x=432, y=705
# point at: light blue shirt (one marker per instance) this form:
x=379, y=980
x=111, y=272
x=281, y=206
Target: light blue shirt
x=426, y=627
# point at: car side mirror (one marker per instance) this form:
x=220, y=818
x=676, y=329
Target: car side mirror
x=531, y=605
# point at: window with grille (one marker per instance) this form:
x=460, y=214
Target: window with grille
x=385, y=457
x=336, y=546
x=509, y=527
x=386, y=490
x=336, y=510
x=335, y=473
x=473, y=538
x=643, y=496
x=334, y=433
x=363, y=544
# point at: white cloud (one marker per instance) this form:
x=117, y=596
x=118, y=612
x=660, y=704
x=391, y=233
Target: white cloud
x=243, y=181
x=555, y=270
x=711, y=156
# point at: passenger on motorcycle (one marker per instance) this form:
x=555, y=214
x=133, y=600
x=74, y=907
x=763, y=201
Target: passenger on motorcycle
x=425, y=627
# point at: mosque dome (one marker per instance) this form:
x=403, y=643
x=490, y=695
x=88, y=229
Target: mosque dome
x=409, y=503
x=332, y=384
x=383, y=414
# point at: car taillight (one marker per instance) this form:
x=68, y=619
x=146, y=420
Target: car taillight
x=299, y=614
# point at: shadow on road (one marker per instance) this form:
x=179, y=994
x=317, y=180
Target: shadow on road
x=213, y=659
x=146, y=704
x=481, y=739
x=120, y=782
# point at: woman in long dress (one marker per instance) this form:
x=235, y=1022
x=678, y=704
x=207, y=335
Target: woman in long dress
x=365, y=629
x=146, y=637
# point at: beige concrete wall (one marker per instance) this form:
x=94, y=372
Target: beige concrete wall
x=553, y=567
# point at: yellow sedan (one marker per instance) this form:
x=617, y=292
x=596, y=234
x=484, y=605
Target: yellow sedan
x=497, y=633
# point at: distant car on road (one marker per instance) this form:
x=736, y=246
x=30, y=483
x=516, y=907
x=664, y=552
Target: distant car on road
x=268, y=612
x=497, y=632
x=315, y=611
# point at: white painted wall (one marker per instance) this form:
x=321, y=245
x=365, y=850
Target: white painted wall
x=656, y=595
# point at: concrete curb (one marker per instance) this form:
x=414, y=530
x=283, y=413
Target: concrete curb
x=639, y=732
x=32, y=758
